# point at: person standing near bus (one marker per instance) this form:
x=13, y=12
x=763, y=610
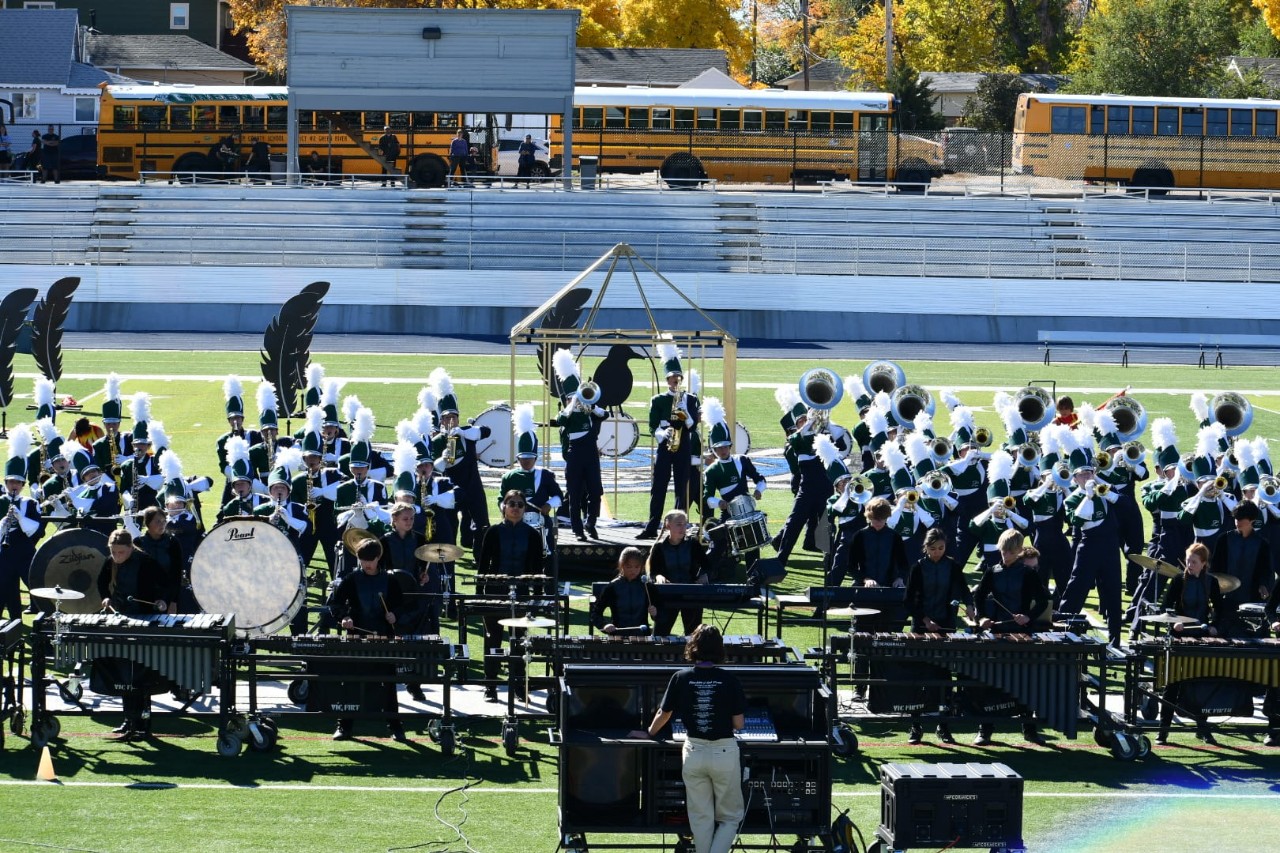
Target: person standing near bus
x=389, y=147
x=50, y=155
x=459, y=151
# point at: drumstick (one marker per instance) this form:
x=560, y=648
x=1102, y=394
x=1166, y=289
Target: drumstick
x=385, y=609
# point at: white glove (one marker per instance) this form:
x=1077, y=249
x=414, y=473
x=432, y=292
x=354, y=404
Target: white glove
x=429, y=500
x=661, y=434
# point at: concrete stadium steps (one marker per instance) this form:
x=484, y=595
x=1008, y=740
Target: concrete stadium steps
x=46, y=224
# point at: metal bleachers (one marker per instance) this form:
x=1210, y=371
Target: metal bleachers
x=45, y=224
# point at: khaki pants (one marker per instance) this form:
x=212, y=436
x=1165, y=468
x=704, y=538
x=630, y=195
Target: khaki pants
x=713, y=792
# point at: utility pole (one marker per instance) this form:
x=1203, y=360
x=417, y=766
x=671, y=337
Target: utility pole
x=804, y=47
x=888, y=40
x=755, y=23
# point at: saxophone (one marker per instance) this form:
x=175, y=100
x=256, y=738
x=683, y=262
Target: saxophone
x=312, y=502
x=271, y=448
x=424, y=491
x=450, y=454
x=679, y=417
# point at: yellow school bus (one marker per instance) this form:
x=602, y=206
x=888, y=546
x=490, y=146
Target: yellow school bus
x=1158, y=143
x=178, y=129
x=743, y=135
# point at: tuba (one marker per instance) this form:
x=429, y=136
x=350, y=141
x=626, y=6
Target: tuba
x=883, y=376
x=907, y=401
x=1035, y=407
x=940, y=450
x=1231, y=410
x=1132, y=453
x=1131, y=417
x=821, y=390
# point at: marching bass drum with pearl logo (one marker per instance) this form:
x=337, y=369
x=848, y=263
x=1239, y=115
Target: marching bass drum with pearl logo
x=246, y=566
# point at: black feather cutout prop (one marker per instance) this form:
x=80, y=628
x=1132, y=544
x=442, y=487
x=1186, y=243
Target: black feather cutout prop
x=286, y=343
x=13, y=314
x=564, y=315
x=46, y=326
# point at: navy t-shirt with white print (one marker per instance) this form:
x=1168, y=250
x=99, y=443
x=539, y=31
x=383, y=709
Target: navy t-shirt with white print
x=705, y=699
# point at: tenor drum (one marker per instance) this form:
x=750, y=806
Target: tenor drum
x=741, y=440
x=743, y=506
x=246, y=566
x=619, y=435
x=71, y=559
x=499, y=449
x=748, y=534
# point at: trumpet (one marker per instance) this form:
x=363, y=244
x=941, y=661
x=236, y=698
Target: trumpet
x=1101, y=488
x=1269, y=489
x=1220, y=484
x=1008, y=502
x=1131, y=453
x=982, y=437
x=861, y=485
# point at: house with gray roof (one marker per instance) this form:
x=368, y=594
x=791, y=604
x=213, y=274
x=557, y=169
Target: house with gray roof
x=645, y=66
x=827, y=75
x=952, y=89
x=165, y=59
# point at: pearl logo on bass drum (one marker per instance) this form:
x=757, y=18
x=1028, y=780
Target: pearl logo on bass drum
x=234, y=534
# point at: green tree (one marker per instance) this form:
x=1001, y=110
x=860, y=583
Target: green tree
x=1035, y=33
x=915, y=100
x=993, y=103
x=773, y=63
x=1256, y=39
x=1251, y=84
x=1155, y=47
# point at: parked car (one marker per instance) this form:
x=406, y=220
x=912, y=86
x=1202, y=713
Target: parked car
x=508, y=157
x=78, y=161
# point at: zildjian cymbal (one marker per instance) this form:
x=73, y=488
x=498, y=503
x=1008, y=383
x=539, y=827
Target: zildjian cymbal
x=438, y=552
x=57, y=593
x=1167, y=619
x=1168, y=570
x=853, y=612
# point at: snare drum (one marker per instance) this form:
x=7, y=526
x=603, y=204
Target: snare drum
x=71, y=559
x=619, y=435
x=499, y=449
x=748, y=534
x=534, y=519
x=743, y=506
x=246, y=566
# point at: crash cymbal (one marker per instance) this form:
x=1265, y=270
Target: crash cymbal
x=1166, y=619
x=57, y=593
x=528, y=622
x=355, y=538
x=1168, y=570
x=438, y=552
x=853, y=612
x=1226, y=583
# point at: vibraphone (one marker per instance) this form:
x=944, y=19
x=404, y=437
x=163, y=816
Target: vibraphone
x=1044, y=672
x=513, y=595
x=190, y=650
x=11, y=670
x=709, y=596
x=337, y=661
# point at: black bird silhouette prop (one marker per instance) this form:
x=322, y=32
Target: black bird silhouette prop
x=46, y=326
x=13, y=314
x=564, y=315
x=613, y=375
x=286, y=343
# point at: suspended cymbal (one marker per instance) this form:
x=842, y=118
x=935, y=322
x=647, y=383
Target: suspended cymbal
x=57, y=593
x=1167, y=619
x=438, y=552
x=1226, y=583
x=355, y=537
x=853, y=612
x=528, y=622
x=1169, y=570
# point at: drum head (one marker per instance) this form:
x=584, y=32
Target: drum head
x=619, y=435
x=71, y=559
x=533, y=518
x=743, y=506
x=741, y=440
x=499, y=449
x=248, y=567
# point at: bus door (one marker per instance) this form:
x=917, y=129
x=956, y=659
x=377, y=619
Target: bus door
x=873, y=147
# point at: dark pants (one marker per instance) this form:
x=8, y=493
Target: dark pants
x=811, y=500
x=968, y=507
x=390, y=168
x=1055, y=555
x=690, y=618
x=459, y=165
x=668, y=466
x=494, y=641
x=473, y=507
x=840, y=554
x=1097, y=563
x=1129, y=516
x=582, y=478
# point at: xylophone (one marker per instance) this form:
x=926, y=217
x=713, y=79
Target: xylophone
x=1253, y=660
x=418, y=656
x=1041, y=671
x=596, y=648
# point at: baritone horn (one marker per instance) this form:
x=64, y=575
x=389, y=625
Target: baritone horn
x=1269, y=489
x=1130, y=415
x=588, y=395
x=1231, y=410
x=1035, y=407
x=821, y=389
x=982, y=437
x=861, y=485
x=936, y=485
x=907, y=401
x=1132, y=453
x=883, y=376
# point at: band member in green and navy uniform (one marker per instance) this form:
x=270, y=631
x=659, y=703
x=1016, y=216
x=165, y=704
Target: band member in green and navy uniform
x=233, y=393
x=788, y=397
x=537, y=484
x=968, y=480
x=270, y=442
x=42, y=394
x=180, y=521
x=1255, y=463
x=244, y=500
x=1123, y=476
x=434, y=499
x=19, y=523
x=845, y=508
x=361, y=497
x=579, y=422
x=815, y=488
x=56, y=488
x=288, y=516
x=1001, y=513
x=96, y=499
x=730, y=475
x=115, y=446
x=1209, y=509
x=1046, y=506
x=910, y=520
x=39, y=459
x=1163, y=499
x=463, y=469
x=140, y=477
x=936, y=499
x=316, y=488
x=673, y=413
x=1097, y=556
x=333, y=440
x=1026, y=471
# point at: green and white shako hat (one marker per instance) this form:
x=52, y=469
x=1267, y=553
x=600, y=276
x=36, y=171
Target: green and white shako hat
x=111, y=406
x=15, y=467
x=522, y=425
x=233, y=393
x=670, y=355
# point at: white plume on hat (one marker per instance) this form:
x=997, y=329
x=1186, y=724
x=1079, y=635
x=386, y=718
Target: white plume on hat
x=362, y=425
x=350, y=406
x=1200, y=405
x=1001, y=401
x=48, y=431
x=1000, y=467
x=786, y=396
x=170, y=466
x=666, y=352
x=1163, y=433
x=423, y=421
x=266, y=397
x=140, y=407
x=949, y=398
x=826, y=449
x=853, y=387
x=522, y=419
x=159, y=439
x=1051, y=439
x=427, y=399
x=111, y=390
x=1207, y=440
x=231, y=387
x=923, y=422
x=20, y=442
x=1011, y=418
x=1245, y=455
x=1105, y=423
x=290, y=459
x=962, y=418
x=43, y=391
x=329, y=393
x=1261, y=450
x=407, y=431
x=315, y=419
x=695, y=382
x=237, y=449
x=404, y=457
x=917, y=447
x=713, y=411
x=877, y=421
x=894, y=461
x=1088, y=418
x=315, y=375
x=564, y=365
x=882, y=402
x=441, y=382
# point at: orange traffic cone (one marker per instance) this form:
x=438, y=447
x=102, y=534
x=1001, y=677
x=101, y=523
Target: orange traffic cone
x=45, y=773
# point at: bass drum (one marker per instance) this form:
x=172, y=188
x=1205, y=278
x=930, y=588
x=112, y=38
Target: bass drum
x=246, y=566
x=741, y=440
x=499, y=449
x=619, y=435
x=71, y=559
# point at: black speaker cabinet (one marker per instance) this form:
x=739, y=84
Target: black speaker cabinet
x=950, y=805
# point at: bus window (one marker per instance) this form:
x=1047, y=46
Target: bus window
x=661, y=118
x=254, y=118
x=1144, y=121
x=1167, y=121
x=797, y=119
x=615, y=118
x=398, y=121
x=1097, y=120
x=1266, y=123
x=730, y=120
x=1215, y=122
x=842, y=122
x=706, y=118
x=427, y=121
x=1117, y=120
x=638, y=118
x=449, y=120
x=775, y=120
x=306, y=120
x=151, y=117
x=820, y=121
x=278, y=118
x=1242, y=122
x=1193, y=121
x=228, y=116
x=684, y=119
x=1067, y=120
x=123, y=117
x=374, y=120
x=206, y=116
x=180, y=118
x=752, y=120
